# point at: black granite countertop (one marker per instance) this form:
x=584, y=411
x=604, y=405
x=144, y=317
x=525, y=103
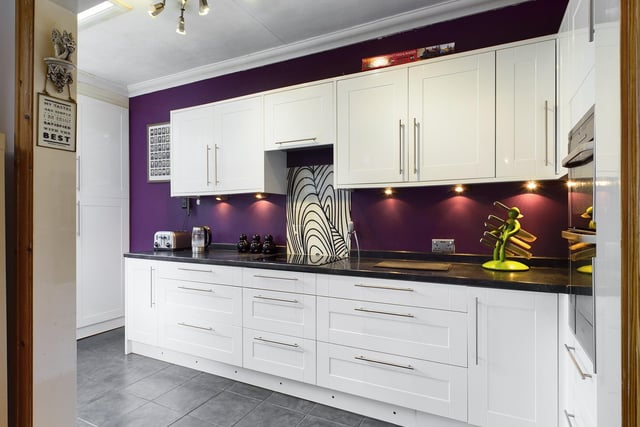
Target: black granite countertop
x=544, y=275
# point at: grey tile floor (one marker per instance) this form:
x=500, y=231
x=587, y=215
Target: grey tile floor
x=115, y=389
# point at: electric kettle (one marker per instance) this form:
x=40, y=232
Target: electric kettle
x=200, y=238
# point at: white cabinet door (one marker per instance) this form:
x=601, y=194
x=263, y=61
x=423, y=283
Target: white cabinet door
x=100, y=265
x=281, y=355
x=300, y=117
x=141, y=321
x=279, y=312
x=412, y=383
x=192, y=151
x=371, y=126
x=103, y=149
x=525, y=111
x=238, y=151
x=513, y=358
x=452, y=119
x=435, y=335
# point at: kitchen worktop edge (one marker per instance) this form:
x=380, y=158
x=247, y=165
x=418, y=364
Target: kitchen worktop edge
x=464, y=269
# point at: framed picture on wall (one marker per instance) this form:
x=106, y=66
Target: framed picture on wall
x=159, y=152
x=56, y=123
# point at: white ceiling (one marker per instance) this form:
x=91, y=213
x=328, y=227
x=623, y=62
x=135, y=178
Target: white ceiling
x=135, y=54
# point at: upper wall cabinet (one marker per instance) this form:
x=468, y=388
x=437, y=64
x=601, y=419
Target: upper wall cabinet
x=525, y=111
x=218, y=149
x=192, y=135
x=300, y=117
x=427, y=123
x=452, y=115
x=372, y=120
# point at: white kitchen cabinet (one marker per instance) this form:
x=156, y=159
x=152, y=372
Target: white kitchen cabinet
x=192, y=168
x=513, y=358
x=142, y=291
x=218, y=149
x=412, y=383
x=102, y=203
x=436, y=335
x=281, y=355
x=279, y=280
x=300, y=117
x=452, y=119
x=280, y=312
x=371, y=128
x=525, y=111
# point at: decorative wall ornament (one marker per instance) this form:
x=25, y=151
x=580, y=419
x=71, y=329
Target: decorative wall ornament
x=317, y=214
x=159, y=152
x=59, y=67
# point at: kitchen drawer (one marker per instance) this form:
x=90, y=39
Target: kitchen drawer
x=418, y=294
x=581, y=408
x=435, y=335
x=202, y=303
x=280, y=312
x=412, y=383
x=281, y=355
x=206, y=273
x=279, y=280
x=214, y=341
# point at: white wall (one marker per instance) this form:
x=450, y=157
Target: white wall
x=54, y=252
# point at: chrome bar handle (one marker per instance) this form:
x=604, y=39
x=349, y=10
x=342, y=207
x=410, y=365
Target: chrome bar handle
x=262, y=276
x=390, y=288
x=204, y=328
x=415, y=146
x=546, y=132
x=292, y=301
x=569, y=418
x=150, y=287
x=592, y=19
x=582, y=373
x=78, y=173
x=276, y=342
x=388, y=313
x=215, y=163
x=381, y=362
x=296, y=140
x=207, y=158
x=78, y=218
x=195, y=269
x=187, y=288
x=477, y=305
x=400, y=170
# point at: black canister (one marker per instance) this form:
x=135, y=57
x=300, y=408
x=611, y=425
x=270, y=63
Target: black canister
x=256, y=245
x=268, y=247
x=243, y=243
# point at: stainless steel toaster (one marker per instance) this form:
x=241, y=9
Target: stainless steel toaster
x=171, y=240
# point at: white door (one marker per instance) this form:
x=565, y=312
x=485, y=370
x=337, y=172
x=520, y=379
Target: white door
x=371, y=120
x=141, y=287
x=238, y=150
x=452, y=119
x=513, y=358
x=102, y=217
x=525, y=111
x=300, y=117
x=192, y=157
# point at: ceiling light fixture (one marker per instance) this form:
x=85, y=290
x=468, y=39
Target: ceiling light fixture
x=157, y=8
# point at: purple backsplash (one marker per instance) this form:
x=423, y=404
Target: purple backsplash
x=416, y=212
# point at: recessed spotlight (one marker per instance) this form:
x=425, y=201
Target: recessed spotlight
x=221, y=198
x=388, y=191
x=261, y=196
x=459, y=189
x=531, y=185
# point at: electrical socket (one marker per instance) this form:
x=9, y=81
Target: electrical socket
x=443, y=246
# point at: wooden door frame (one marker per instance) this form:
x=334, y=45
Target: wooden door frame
x=630, y=209
x=20, y=322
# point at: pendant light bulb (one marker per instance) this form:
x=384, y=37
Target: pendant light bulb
x=204, y=7
x=180, y=30
x=156, y=9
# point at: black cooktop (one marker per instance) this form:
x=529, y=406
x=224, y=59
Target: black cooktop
x=298, y=259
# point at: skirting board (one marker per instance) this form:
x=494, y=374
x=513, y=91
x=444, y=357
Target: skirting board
x=98, y=328
x=348, y=402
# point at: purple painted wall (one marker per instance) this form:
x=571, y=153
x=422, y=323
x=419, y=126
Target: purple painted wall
x=417, y=212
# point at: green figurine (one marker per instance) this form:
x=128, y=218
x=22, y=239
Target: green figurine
x=509, y=228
